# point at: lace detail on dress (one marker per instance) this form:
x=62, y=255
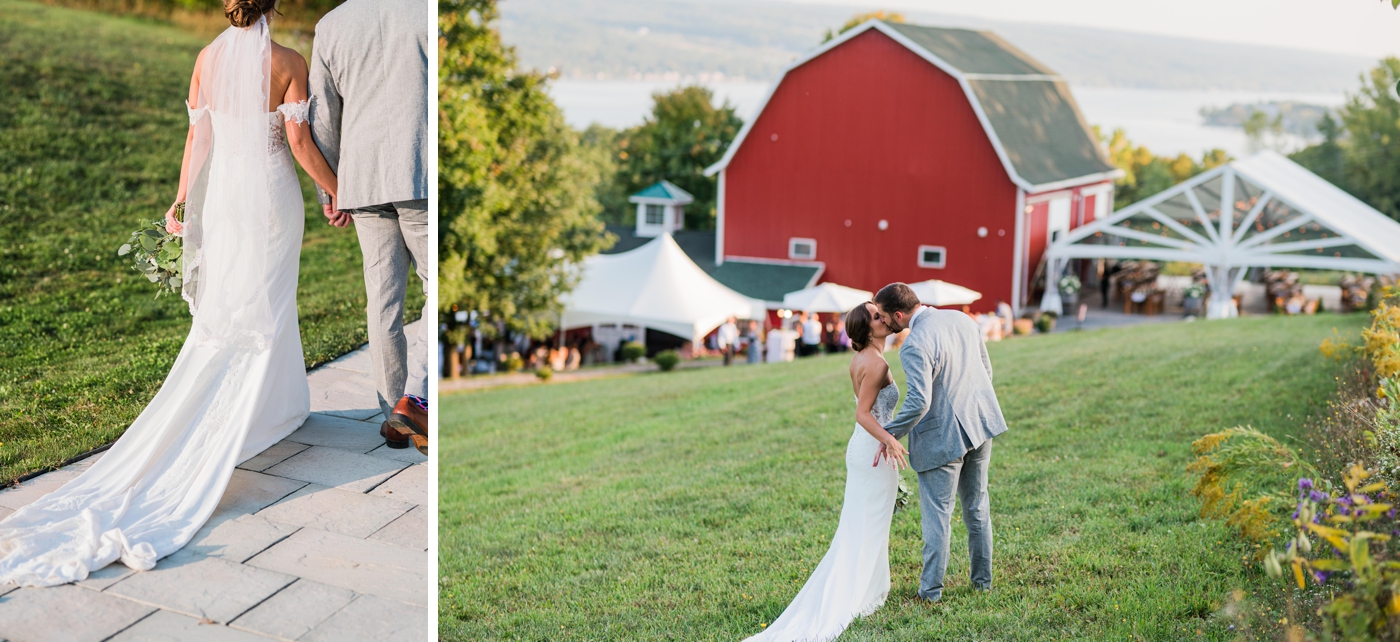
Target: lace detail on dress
x=885, y=402
x=297, y=112
x=195, y=114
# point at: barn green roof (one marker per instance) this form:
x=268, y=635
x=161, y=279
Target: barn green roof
x=1031, y=109
x=1027, y=110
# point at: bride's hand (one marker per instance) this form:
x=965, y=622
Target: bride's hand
x=894, y=452
x=172, y=225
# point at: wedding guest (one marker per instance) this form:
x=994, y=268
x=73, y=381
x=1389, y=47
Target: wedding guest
x=726, y=339
x=755, y=343
x=811, y=334
x=1007, y=318
x=776, y=345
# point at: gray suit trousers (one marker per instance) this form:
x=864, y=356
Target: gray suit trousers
x=391, y=236
x=967, y=477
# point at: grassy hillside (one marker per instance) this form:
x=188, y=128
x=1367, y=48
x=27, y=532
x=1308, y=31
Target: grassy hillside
x=692, y=505
x=92, y=125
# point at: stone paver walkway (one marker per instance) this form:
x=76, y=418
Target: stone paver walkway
x=322, y=537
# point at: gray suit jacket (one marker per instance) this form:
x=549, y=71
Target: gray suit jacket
x=949, y=404
x=369, y=81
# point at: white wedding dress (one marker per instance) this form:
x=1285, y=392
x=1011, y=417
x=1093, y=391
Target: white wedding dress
x=239, y=382
x=853, y=579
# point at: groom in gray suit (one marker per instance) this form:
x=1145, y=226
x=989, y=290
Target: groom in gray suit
x=951, y=414
x=369, y=85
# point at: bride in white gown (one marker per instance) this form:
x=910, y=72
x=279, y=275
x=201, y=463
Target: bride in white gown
x=239, y=382
x=853, y=579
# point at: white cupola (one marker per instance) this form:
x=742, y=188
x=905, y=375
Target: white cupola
x=660, y=209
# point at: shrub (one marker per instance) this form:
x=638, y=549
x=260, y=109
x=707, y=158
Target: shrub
x=1353, y=527
x=633, y=350
x=1382, y=339
x=1046, y=321
x=544, y=373
x=1242, y=471
x=514, y=363
x=667, y=360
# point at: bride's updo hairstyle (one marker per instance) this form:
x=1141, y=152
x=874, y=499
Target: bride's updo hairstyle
x=245, y=13
x=858, y=327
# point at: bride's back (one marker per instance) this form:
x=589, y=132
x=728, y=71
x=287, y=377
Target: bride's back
x=288, y=66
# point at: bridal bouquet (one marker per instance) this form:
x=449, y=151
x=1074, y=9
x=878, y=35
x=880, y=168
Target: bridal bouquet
x=155, y=253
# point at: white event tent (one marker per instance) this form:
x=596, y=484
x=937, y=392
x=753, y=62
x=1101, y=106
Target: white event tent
x=827, y=297
x=654, y=286
x=941, y=293
x=1278, y=215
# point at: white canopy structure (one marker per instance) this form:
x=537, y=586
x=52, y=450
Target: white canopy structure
x=940, y=293
x=654, y=286
x=827, y=297
x=1277, y=215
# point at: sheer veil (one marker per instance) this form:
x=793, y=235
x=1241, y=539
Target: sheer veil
x=239, y=379
x=224, y=284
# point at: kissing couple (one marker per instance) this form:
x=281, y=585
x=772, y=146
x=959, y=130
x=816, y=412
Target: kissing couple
x=951, y=415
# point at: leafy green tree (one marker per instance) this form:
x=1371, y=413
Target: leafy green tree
x=1372, y=155
x=684, y=134
x=860, y=18
x=1327, y=158
x=1146, y=173
x=600, y=145
x=517, y=209
x=1262, y=132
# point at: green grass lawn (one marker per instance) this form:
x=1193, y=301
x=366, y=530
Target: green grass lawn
x=92, y=126
x=692, y=505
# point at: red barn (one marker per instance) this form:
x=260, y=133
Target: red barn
x=904, y=153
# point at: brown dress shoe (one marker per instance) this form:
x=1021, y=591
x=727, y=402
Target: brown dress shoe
x=410, y=419
x=393, y=437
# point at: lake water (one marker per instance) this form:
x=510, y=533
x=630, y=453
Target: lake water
x=1167, y=122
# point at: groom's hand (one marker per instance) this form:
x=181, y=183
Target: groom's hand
x=334, y=216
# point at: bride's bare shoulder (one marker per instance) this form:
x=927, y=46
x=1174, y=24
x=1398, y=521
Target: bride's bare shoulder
x=867, y=362
x=287, y=58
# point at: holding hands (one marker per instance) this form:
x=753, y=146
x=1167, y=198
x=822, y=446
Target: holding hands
x=334, y=216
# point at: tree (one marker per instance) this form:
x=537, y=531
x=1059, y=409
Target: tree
x=600, y=146
x=860, y=18
x=1146, y=173
x=517, y=211
x=684, y=134
x=1372, y=154
x=1327, y=158
x=1262, y=132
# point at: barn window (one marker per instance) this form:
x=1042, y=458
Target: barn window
x=932, y=256
x=656, y=214
x=802, y=249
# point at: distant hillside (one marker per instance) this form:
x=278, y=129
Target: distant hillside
x=646, y=39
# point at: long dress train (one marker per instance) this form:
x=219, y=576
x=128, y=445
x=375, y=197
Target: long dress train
x=853, y=578
x=238, y=384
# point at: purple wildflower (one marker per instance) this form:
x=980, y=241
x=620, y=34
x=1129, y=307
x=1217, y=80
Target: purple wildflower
x=1304, y=483
x=1321, y=577
x=1317, y=496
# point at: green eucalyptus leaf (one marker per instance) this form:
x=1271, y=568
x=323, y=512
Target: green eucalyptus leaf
x=124, y=249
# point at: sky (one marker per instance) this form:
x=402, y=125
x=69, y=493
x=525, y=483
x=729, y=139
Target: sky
x=1368, y=28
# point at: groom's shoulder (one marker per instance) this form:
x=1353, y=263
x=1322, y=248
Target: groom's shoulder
x=344, y=12
x=352, y=13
